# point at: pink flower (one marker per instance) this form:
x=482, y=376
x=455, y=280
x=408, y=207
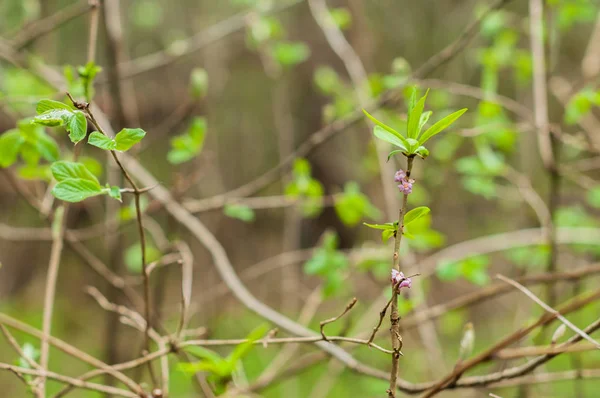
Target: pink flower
x=400, y=175
x=399, y=278
x=406, y=186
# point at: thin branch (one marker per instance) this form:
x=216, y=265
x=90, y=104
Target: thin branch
x=549, y=309
x=335, y=318
x=70, y=380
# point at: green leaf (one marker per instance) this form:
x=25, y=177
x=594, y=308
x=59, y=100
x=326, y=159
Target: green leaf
x=441, y=125
x=203, y=353
x=63, y=170
x=87, y=75
x=101, y=141
x=76, y=190
x=241, y=212
x=47, y=147
x=422, y=152
x=35, y=172
x=334, y=283
x=415, y=214
x=383, y=125
x=448, y=271
x=199, y=82
x=10, y=144
x=393, y=153
x=352, y=206
x=424, y=119
x=133, y=256
x=53, y=117
x=414, y=117
x=77, y=127
x=290, y=53
x=341, y=17
x=593, y=197
x=386, y=136
x=242, y=349
x=115, y=193
x=48, y=105
x=127, y=138
x=387, y=234
x=386, y=226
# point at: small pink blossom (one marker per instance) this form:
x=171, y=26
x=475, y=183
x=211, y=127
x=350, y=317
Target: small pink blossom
x=399, y=278
x=400, y=175
x=406, y=186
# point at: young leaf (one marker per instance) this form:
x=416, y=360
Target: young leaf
x=10, y=144
x=133, y=256
x=53, y=117
x=47, y=147
x=422, y=152
x=127, y=138
x=77, y=126
x=414, y=117
x=48, y=105
x=101, y=141
x=387, y=234
x=393, y=153
x=441, y=125
x=386, y=136
x=115, y=193
x=76, y=189
x=199, y=82
x=415, y=214
x=240, y=212
x=386, y=226
x=382, y=125
x=203, y=353
x=242, y=349
x=63, y=170
x=424, y=119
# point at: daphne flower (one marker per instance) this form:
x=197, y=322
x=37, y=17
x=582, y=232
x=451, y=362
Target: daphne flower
x=406, y=186
x=400, y=175
x=399, y=279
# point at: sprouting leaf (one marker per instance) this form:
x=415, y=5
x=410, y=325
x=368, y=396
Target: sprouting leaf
x=414, y=117
x=341, y=17
x=133, y=256
x=386, y=226
x=87, y=74
x=77, y=127
x=242, y=349
x=54, y=117
x=127, y=138
x=352, y=206
x=387, y=234
x=203, y=353
x=186, y=146
x=101, y=141
x=10, y=144
x=63, y=170
x=415, y=214
x=422, y=152
x=199, y=82
x=290, y=53
x=76, y=189
x=386, y=136
x=441, y=125
x=48, y=105
x=241, y=212
x=115, y=193
x=424, y=119
x=393, y=153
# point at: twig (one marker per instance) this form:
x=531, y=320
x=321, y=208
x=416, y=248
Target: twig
x=335, y=318
x=46, y=25
x=72, y=351
x=70, y=380
x=549, y=309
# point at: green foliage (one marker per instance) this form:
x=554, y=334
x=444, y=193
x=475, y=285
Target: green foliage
x=10, y=144
x=53, y=113
x=133, y=256
x=290, y=54
x=572, y=12
x=412, y=144
x=77, y=183
x=329, y=264
x=304, y=187
x=220, y=369
x=388, y=229
x=199, y=83
x=423, y=237
x=473, y=269
x=535, y=257
x=122, y=142
x=593, y=197
x=240, y=212
x=352, y=206
x=188, y=145
x=341, y=17
x=87, y=74
x=581, y=104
